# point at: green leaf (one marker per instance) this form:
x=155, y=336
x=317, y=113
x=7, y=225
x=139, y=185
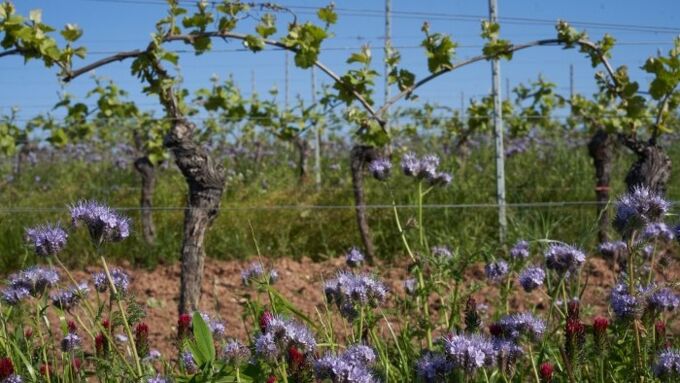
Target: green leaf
x=202, y=44
x=328, y=15
x=71, y=32
x=254, y=43
x=35, y=16
x=202, y=347
x=267, y=26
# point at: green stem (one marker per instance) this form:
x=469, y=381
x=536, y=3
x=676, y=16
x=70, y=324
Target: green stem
x=238, y=375
x=284, y=373
x=421, y=225
x=533, y=365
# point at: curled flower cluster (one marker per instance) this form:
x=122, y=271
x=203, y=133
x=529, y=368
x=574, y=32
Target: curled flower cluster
x=188, y=361
x=469, y=352
x=348, y=290
x=638, y=209
x=120, y=280
x=103, y=223
x=235, y=353
x=496, y=271
x=66, y=299
x=564, y=258
x=513, y=326
x=520, y=251
x=157, y=379
x=216, y=326
x=433, y=367
x=70, y=342
x=613, y=250
x=622, y=302
x=531, y=278
x=658, y=231
x=425, y=168
x=35, y=279
x=279, y=335
x=352, y=366
x=354, y=257
x=441, y=252
x=668, y=364
x=380, y=168
x=256, y=272
x=47, y=239
x=663, y=300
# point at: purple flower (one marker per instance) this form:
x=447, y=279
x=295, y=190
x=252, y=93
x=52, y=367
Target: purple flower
x=256, y=272
x=266, y=347
x=216, y=327
x=13, y=295
x=622, y=302
x=667, y=364
x=359, y=354
x=352, y=366
x=68, y=298
x=411, y=286
x=428, y=167
x=157, y=379
x=70, y=342
x=280, y=334
x=103, y=223
x=35, y=279
x=236, y=353
x=658, y=231
x=47, y=239
x=507, y=352
x=348, y=290
x=14, y=378
x=433, y=367
x=469, y=352
x=354, y=257
x=639, y=208
x=410, y=165
x=531, y=277
x=496, y=271
x=119, y=277
x=663, y=300
x=380, y=168
x=520, y=251
x=187, y=359
x=441, y=252
x=515, y=325
x=563, y=258
x=613, y=250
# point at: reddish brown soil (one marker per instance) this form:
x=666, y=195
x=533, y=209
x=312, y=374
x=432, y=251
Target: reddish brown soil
x=301, y=283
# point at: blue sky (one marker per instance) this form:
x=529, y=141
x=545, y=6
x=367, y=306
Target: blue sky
x=641, y=28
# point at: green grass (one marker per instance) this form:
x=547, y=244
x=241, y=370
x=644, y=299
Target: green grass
x=554, y=174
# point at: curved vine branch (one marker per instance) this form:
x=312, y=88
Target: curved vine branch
x=10, y=52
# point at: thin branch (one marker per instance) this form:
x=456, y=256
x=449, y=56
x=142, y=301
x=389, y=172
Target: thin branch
x=659, y=116
x=10, y=52
x=71, y=74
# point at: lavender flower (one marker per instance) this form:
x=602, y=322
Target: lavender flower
x=236, y=353
x=354, y=257
x=639, y=208
x=359, y=354
x=622, y=302
x=380, y=168
x=280, y=335
x=428, y=166
x=70, y=342
x=120, y=280
x=216, y=327
x=187, y=359
x=520, y=251
x=104, y=224
x=13, y=295
x=349, y=290
x=515, y=325
x=507, y=352
x=433, y=367
x=531, y=277
x=47, y=239
x=441, y=252
x=663, y=300
x=266, y=347
x=658, y=231
x=441, y=179
x=35, y=279
x=157, y=379
x=410, y=165
x=66, y=299
x=469, y=352
x=668, y=364
x=411, y=286
x=496, y=271
x=563, y=258
x=14, y=378
x=613, y=250
x=256, y=272
x=153, y=355
x=352, y=366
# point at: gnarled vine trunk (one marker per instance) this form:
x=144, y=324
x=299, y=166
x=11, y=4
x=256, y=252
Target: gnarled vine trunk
x=206, y=181
x=652, y=168
x=303, y=157
x=147, y=171
x=601, y=149
x=360, y=156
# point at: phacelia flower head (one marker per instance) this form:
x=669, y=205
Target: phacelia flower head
x=411, y=286
x=442, y=252
x=563, y=258
x=348, y=291
x=256, y=272
x=624, y=305
x=469, y=352
x=188, y=361
x=35, y=279
x=667, y=364
x=14, y=295
x=441, y=179
x=103, y=223
x=531, y=277
x=433, y=367
x=639, y=208
x=352, y=366
x=410, y=165
x=658, y=231
x=67, y=298
x=380, y=168
x=515, y=325
x=14, y=378
x=520, y=251
x=215, y=325
x=70, y=342
x=47, y=239
x=613, y=250
x=157, y=379
x=496, y=271
x=663, y=300
x=354, y=257
x=507, y=353
x=279, y=335
x=235, y=353
x=119, y=277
